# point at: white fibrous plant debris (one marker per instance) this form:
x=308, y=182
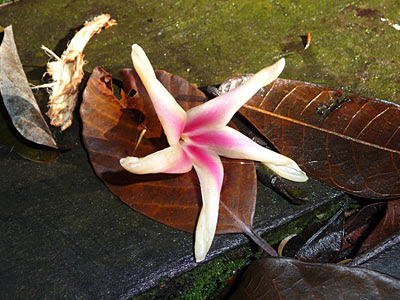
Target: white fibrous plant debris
x=395, y=26
x=67, y=72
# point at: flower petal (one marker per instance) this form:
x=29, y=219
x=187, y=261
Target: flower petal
x=171, y=114
x=169, y=160
x=231, y=143
x=210, y=172
x=218, y=111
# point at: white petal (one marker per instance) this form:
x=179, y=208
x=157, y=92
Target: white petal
x=289, y=171
x=169, y=160
x=231, y=143
x=218, y=111
x=210, y=172
x=171, y=114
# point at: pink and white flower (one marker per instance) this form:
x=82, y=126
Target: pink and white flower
x=199, y=136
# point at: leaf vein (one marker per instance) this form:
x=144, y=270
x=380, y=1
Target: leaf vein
x=284, y=99
x=309, y=103
x=356, y=140
x=371, y=121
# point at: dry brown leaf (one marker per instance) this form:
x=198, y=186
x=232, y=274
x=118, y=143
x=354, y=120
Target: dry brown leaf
x=17, y=96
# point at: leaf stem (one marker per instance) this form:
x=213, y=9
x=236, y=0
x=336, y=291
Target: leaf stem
x=256, y=238
x=249, y=231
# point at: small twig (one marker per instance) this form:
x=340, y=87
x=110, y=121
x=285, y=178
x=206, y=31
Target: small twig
x=42, y=86
x=140, y=139
x=50, y=53
x=377, y=249
x=8, y=3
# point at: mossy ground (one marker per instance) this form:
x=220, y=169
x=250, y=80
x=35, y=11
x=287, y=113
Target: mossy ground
x=207, y=41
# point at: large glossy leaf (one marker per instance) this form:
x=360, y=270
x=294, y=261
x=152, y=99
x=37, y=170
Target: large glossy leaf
x=279, y=278
x=110, y=131
x=350, y=143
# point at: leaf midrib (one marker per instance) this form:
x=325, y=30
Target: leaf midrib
x=346, y=137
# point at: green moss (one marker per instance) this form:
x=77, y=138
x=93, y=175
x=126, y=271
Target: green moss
x=315, y=219
x=205, y=281
x=206, y=41
x=210, y=279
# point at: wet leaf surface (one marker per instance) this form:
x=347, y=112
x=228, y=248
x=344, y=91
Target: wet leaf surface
x=281, y=278
x=359, y=226
x=326, y=244
x=352, y=143
x=110, y=131
x=389, y=225
x=18, y=97
x=383, y=257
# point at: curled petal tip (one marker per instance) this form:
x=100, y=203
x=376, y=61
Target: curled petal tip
x=206, y=225
x=138, y=53
x=281, y=63
x=199, y=258
x=136, y=46
x=296, y=175
x=200, y=250
x=205, y=230
x=137, y=50
x=141, y=62
x=270, y=73
x=203, y=241
x=289, y=171
x=129, y=163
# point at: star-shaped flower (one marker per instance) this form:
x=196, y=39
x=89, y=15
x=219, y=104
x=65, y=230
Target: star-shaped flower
x=198, y=138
